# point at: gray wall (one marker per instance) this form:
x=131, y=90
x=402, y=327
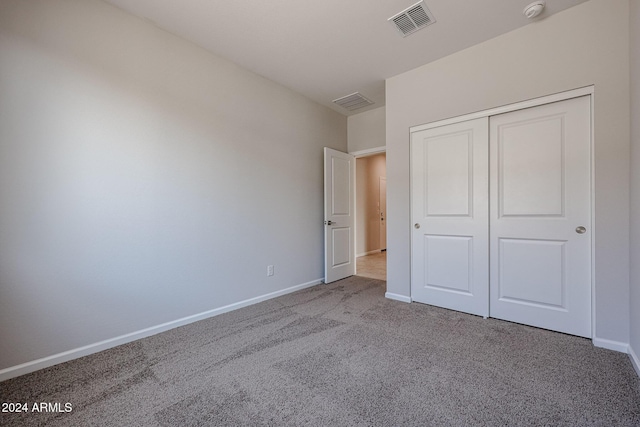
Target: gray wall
x=635, y=182
x=142, y=179
x=366, y=130
x=585, y=45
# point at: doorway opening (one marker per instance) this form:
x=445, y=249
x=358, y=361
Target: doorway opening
x=371, y=216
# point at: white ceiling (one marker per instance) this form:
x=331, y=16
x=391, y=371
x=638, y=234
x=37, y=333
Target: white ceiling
x=325, y=49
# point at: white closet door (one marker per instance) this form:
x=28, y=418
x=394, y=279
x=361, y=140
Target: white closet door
x=449, y=168
x=540, y=226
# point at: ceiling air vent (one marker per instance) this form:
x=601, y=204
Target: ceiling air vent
x=353, y=101
x=412, y=19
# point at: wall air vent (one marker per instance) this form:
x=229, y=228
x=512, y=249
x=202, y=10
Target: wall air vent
x=353, y=101
x=412, y=19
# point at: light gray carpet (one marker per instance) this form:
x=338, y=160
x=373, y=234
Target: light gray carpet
x=340, y=355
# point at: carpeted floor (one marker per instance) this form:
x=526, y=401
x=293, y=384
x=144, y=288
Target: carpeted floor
x=339, y=355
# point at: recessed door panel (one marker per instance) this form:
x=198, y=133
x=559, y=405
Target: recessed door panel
x=532, y=272
x=448, y=263
x=341, y=244
x=449, y=174
x=341, y=169
x=531, y=167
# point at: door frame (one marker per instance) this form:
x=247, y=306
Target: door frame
x=548, y=99
x=359, y=154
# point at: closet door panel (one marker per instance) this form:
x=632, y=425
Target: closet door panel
x=540, y=226
x=449, y=178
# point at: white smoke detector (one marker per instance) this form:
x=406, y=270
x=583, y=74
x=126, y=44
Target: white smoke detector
x=534, y=9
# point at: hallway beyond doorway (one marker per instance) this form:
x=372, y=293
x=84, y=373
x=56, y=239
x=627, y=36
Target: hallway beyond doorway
x=373, y=266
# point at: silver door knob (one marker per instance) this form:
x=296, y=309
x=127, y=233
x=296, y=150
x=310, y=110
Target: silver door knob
x=581, y=230
x=416, y=225
x=329, y=222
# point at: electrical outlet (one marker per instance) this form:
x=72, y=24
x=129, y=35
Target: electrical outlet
x=269, y=270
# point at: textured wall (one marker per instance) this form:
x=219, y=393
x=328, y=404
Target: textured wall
x=366, y=130
x=635, y=182
x=142, y=179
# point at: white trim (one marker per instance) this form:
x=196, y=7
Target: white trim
x=562, y=96
x=593, y=216
x=397, y=297
x=369, y=151
x=377, y=251
x=635, y=360
x=622, y=347
x=45, y=362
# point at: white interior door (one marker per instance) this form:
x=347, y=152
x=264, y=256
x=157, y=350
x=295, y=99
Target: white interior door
x=383, y=213
x=339, y=215
x=541, y=216
x=449, y=188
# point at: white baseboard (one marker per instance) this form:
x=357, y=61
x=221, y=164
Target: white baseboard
x=622, y=347
x=377, y=251
x=45, y=362
x=397, y=297
x=635, y=360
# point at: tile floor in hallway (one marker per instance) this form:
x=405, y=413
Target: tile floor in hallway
x=373, y=266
